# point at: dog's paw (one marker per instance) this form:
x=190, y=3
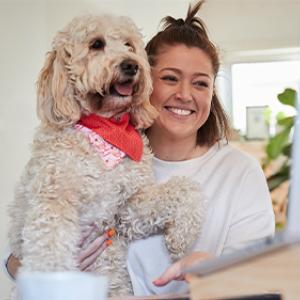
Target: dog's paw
x=186, y=216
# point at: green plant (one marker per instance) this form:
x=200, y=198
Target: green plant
x=280, y=144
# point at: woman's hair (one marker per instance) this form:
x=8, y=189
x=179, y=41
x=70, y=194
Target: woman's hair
x=192, y=32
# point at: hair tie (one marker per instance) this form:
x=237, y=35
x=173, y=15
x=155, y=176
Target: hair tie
x=180, y=22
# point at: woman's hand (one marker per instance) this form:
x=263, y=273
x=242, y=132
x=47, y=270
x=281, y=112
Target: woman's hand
x=89, y=255
x=176, y=270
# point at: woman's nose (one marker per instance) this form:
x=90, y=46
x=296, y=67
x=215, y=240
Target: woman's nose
x=184, y=92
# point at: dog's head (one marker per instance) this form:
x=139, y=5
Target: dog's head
x=97, y=65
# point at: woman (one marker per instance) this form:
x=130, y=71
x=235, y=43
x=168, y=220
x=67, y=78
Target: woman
x=189, y=138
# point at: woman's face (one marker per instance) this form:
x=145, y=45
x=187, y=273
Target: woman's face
x=183, y=82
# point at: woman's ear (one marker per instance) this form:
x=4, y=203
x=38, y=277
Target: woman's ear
x=56, y=105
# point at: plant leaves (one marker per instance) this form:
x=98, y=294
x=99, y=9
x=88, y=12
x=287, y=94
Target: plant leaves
x=287, y=121
x=280, y=144
x=279, y=177
x=280, y=115
x=277, y=143
x=287, y=150
x=288, y=97
x=275, y=181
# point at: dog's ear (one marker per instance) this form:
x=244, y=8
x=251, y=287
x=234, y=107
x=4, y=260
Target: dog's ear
x=143, y=115
x=56, y=106
x=142, y=112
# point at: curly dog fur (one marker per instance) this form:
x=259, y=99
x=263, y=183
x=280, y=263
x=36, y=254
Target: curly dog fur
x=66, y=186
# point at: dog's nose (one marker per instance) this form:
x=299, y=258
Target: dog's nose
x=129, y=67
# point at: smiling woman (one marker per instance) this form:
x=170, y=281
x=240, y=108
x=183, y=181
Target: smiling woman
x=189, y=138
x=184, y=67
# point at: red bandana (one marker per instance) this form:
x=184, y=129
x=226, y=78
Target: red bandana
x=119, y=133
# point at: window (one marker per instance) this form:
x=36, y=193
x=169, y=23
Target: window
x=258, y=84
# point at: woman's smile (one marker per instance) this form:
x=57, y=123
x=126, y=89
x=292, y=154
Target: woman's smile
x=179, y=112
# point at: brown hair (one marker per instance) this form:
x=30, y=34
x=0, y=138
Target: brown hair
x=192, y=32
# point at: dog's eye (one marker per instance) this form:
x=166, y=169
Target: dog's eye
x=97, y=44
x=129, y=46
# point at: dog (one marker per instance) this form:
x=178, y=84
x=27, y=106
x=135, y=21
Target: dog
x=97, y=73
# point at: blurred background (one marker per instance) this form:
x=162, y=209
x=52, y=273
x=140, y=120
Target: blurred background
x=259, y=43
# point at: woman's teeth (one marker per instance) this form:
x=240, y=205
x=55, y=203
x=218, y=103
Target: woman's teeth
x=181, y=112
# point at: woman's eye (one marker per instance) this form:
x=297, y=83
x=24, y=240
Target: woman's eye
x=97, y=44
x=201, y=83
x=169, y=78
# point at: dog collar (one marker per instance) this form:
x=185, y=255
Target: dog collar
x=119, y=133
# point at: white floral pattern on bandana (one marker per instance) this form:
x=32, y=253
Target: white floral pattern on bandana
x=110, y=154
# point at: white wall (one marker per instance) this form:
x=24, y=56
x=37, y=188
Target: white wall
x=26, y=29
x=254, y=24
x=22, y=35
x=146, y=13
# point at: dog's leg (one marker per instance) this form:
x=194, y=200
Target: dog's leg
x=50, y=236
x=16, y=212
x=112, y=263
x=176, y=208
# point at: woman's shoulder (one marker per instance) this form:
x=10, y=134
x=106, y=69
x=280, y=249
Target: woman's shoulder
x=237, y=156
x=228, y=160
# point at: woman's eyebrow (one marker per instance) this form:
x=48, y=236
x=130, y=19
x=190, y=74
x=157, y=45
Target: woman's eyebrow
x=179, y=71
x=170, y=69
x=203, y=74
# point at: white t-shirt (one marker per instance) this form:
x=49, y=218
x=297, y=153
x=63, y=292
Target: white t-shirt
x=239, y=213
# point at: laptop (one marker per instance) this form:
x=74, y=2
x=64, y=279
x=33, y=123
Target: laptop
x=289, y=236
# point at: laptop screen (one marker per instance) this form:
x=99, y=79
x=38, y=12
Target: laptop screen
x=294, y=193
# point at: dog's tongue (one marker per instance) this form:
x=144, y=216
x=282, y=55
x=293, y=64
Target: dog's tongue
x=124, y=89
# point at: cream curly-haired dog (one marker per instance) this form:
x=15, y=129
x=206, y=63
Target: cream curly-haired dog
x=97, y=72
